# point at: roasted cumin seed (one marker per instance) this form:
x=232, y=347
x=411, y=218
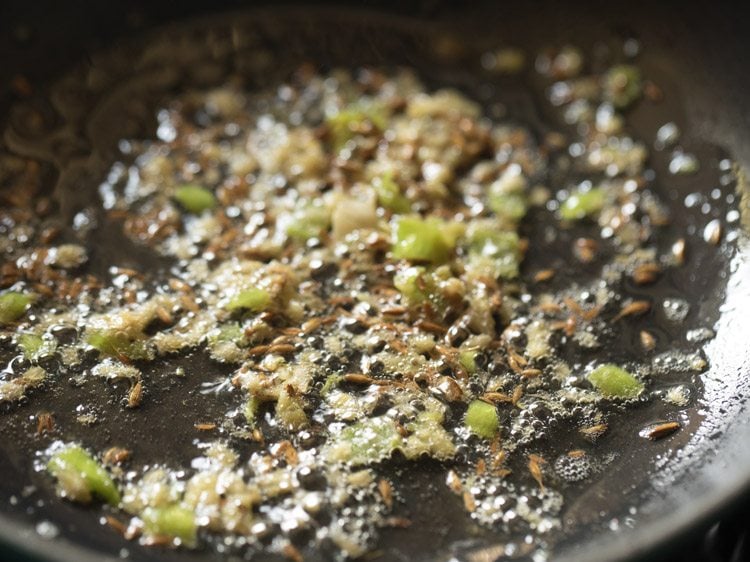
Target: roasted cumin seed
x=44, y=423
x=646, y=273
x=115, y=455
x=648, y=342
x=658, y=431
x=454, y=482
x=544, y=275
x=135, y=396
x=635, y=308
x=593, y=432
x=386, y=492
x=678, y=251
x=535, y=468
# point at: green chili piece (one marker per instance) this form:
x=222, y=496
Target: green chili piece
x=331, y=382
x=309, y=222
x=581, y=204
x=30, y=344
x=622, y=85
x=615, y=382
x=194, y=198
x=510, y=206
x=481, y=418
x=390, y=196
x=253, y=299
x=73, y=462
x=13, y=305
x=421, y=240
x=371, y=440
x=467, y=359
x=498, y=250
x=172, y=521
x=408, y=282
x=115, y=343
x=345, y=124
x=251, y=410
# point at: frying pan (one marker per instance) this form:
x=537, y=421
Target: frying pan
x=654, y=494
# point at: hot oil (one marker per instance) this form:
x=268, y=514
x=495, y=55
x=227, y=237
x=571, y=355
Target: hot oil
x=115, y=99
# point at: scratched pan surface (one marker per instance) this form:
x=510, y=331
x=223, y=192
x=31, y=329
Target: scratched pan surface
x=653, y=493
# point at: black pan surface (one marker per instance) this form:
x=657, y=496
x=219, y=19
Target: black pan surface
x=654, y=491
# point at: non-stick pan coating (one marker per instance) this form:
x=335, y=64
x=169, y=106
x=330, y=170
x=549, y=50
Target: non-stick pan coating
x=697, y=53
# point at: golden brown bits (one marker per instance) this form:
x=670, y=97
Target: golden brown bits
x=531, y=373
x=659, y=430
x=646, y=273
x=431, y=327
x=454, y=482
x=398, y=346
x=291, y=553
x=449, y=388
x=495, y=397
x=652, y=92
x=593, y=432
x=648, y=342
x=481, y=467
x=178, y=285
x=44, y=423
x=394, y=311
x=258, y=350
x=286, y=450
x=341, y=300
x=135, y=396
x=635, y=308
x=281, y=348
x=397, y=522
x=402, y=431
x=315, y=323
x=358, y=378
x=544, y=275
x=386, y=492
x=115, y=455
x=154, y=540
x=535, y=468
x=257, y=436
x=577, y=453
x=585, y=249
x=549, y=308
x=164, y=315
x=678, y=251
x=517, y=394
x=497, y=464
x=48, y=235
x=119, y=527
x=311, y=325
x=204, y=426
x=469, y=504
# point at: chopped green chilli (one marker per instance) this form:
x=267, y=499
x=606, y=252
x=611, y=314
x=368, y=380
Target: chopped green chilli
x=195, y=199
x=582, y=204
x=614, y=382
x=171, y=521
x=481, y=419
x=79, y=476
x=421, y=240
x=254, y=299
x=13, y=305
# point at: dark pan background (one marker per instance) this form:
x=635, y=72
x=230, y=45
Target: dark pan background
x=709, y=46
